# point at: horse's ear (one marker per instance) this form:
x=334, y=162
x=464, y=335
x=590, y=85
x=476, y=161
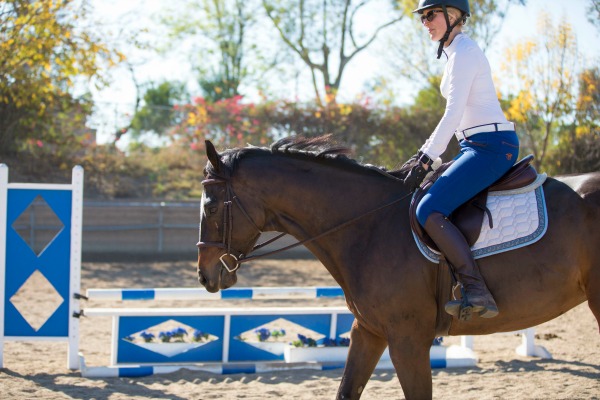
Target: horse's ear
x=213, y=156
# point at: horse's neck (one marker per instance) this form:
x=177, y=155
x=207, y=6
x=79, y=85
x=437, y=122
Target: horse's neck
x=307, y=200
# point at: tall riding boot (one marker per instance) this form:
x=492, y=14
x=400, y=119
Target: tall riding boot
x=455, y=248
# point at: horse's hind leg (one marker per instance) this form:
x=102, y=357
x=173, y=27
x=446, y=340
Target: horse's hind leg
x=363, y=355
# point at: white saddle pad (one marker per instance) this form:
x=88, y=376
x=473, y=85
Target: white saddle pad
x=519, y=218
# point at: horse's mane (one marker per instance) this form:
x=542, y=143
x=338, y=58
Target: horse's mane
x=320, y=148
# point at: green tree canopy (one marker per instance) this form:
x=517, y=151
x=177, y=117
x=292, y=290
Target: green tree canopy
x=217, y=33
x=158, y=113
x=44, y=52
x=540, y=77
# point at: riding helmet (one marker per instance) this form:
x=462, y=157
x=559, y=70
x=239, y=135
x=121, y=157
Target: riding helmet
x=462, y=5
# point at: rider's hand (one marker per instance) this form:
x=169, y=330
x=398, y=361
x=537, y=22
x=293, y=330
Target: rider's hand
x=415, y=176
x=418, y=172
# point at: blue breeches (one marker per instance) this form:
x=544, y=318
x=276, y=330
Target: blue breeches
x=482, y=160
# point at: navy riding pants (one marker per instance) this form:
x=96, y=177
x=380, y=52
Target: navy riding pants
x=482, y=160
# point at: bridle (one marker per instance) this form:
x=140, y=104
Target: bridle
x=231, y=199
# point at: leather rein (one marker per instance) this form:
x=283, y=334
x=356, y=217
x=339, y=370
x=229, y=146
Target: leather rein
x=231, y=199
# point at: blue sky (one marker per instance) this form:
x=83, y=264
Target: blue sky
x=116, y=102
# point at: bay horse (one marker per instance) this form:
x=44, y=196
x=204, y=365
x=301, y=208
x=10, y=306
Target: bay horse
x=354, y=218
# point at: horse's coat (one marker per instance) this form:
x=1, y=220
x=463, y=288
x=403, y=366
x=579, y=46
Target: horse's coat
x=305, y=187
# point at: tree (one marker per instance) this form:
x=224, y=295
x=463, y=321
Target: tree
x=594, y=13
x=43, y=53
x=158, y=113
x=579, y=147
x=325, y=35
x=540, y=75
x=217, y=28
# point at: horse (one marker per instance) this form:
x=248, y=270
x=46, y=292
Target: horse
x=354, y=218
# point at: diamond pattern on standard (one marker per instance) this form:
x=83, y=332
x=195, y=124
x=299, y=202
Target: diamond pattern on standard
x=170, y=338
x=38, y=225
x=36, y=290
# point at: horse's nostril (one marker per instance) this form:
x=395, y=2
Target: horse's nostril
x=201, y=278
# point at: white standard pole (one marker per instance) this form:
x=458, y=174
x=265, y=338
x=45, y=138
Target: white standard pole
x=466, y=341
x=75, y=266
x=3, y=212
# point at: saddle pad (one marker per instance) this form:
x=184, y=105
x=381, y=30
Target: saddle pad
x=520, y=218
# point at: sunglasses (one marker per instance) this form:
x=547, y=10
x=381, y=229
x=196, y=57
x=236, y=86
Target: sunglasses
x=429, y=16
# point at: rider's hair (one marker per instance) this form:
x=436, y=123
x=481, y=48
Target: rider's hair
x=454, y=14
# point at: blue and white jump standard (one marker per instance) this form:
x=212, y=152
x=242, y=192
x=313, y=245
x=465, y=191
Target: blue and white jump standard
x=59, y=262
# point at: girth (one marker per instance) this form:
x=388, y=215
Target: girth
x=468, y=218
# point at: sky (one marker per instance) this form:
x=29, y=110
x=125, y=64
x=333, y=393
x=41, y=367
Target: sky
x=116, y=102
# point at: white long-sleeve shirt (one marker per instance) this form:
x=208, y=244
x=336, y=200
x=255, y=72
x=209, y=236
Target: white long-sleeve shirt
x=470, y=95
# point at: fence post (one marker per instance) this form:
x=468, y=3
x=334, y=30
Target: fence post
x=160, y=226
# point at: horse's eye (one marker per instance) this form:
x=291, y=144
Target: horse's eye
x=213, y=210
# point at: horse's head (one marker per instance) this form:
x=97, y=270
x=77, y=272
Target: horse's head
x=227, y=229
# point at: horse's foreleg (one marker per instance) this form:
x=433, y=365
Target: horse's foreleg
x=363, y=355
x=410, y=355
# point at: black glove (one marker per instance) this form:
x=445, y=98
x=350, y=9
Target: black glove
x=417, y=173
x=414, y=177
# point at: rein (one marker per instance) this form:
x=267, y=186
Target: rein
x=231, y=198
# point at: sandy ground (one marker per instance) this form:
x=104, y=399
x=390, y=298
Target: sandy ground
x=38, y=370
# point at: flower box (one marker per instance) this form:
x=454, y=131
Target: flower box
x=169, y=349
x=316, y=354
x=276, y=348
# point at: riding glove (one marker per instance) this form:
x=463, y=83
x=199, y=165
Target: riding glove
x=417, y=173
x=414, y=177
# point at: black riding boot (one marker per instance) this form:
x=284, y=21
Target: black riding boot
x=453, y=245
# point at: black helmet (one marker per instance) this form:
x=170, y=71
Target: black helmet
x=462, y=5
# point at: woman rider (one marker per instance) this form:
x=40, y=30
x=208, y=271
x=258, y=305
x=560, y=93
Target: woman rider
x=488, y=142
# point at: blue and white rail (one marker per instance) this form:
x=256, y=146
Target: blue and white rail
x=252, y=293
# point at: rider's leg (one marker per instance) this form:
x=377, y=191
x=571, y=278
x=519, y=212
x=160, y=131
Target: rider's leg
x=454, y=246
x=483, y=159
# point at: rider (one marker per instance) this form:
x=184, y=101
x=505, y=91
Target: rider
x=488, y=142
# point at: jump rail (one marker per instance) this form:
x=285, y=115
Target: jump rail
x=255, y=293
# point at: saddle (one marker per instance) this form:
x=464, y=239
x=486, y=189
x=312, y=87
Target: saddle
x=468, y=218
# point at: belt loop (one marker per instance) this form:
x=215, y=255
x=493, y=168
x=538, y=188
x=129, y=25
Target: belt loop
x=496, y=126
